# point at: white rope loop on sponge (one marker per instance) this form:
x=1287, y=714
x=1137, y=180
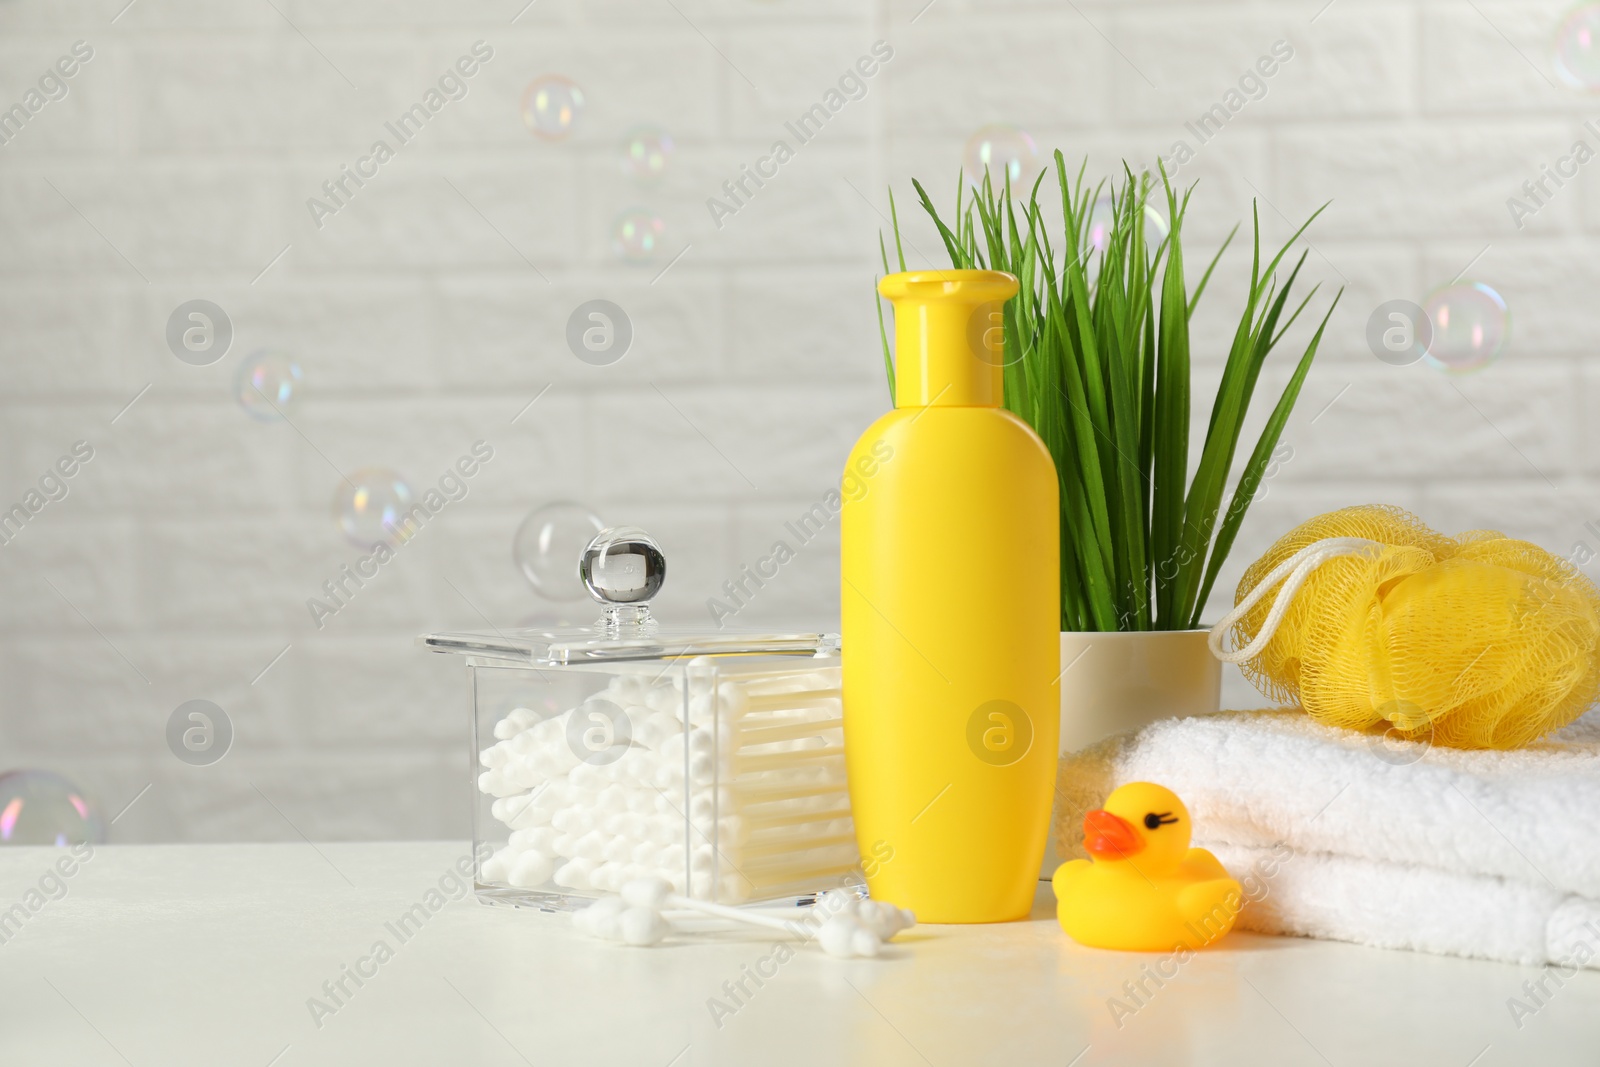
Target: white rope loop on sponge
x=1292, y=572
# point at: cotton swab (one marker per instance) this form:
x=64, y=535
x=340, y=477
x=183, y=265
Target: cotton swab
x=612, y=919
x=735, y=792
x=854, y=928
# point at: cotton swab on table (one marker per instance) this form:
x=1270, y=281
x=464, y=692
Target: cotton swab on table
x=854, y=928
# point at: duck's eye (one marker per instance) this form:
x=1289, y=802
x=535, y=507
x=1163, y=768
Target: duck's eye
x=1154, y=821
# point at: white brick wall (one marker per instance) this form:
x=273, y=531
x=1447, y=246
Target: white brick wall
x=180, y=164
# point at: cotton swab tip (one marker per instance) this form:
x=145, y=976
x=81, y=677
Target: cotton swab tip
x=647, y=892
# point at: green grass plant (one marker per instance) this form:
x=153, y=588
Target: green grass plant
x=1097, y=361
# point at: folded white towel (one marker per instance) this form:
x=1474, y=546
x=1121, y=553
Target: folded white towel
x=1487, y=854
x=1344, y=898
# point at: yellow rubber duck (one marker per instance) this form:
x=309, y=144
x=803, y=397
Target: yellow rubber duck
x=1145, y=890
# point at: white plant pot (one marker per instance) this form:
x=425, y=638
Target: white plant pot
x=1112, y=683
x=1115, y=682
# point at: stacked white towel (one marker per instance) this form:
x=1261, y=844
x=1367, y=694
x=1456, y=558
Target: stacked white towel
x=1395, y=844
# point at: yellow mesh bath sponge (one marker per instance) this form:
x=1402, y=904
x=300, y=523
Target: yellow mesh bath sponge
x=1476, y=641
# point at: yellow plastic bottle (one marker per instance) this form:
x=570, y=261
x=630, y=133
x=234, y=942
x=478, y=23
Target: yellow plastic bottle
x=951, y=614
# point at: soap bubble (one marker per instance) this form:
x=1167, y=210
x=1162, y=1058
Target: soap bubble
x=1103, y=216
x=370, y=507
x=1470, y=327
x=550, y=543
x=551, y=105
x=1002, y=151
x=646, y=152
x=43, y=808
x=1578, y=47
x=268, y=385
x=637, y=235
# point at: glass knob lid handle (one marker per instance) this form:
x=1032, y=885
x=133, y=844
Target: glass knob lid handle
x=623, y=565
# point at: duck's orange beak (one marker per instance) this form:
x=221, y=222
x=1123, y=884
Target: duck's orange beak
x=1110, y=836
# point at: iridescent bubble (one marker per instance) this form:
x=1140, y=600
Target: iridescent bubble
x=549, y=545
x=1001, y=151
x=646, y=152
x=637, y=235
x=1470, y=327
x=1155, y=225
x=43, y=808
x=268, y=385
x=551, y=105
x=370, y=508
x=1578, y=47
x=1102, y=218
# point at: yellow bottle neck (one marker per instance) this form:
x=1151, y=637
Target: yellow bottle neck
x=948, y=336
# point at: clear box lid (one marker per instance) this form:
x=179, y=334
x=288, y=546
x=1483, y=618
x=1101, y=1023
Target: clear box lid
x=623, y=568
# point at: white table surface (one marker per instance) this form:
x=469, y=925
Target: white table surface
x=207, y=955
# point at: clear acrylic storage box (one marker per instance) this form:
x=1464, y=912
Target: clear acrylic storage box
x=601, y=754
